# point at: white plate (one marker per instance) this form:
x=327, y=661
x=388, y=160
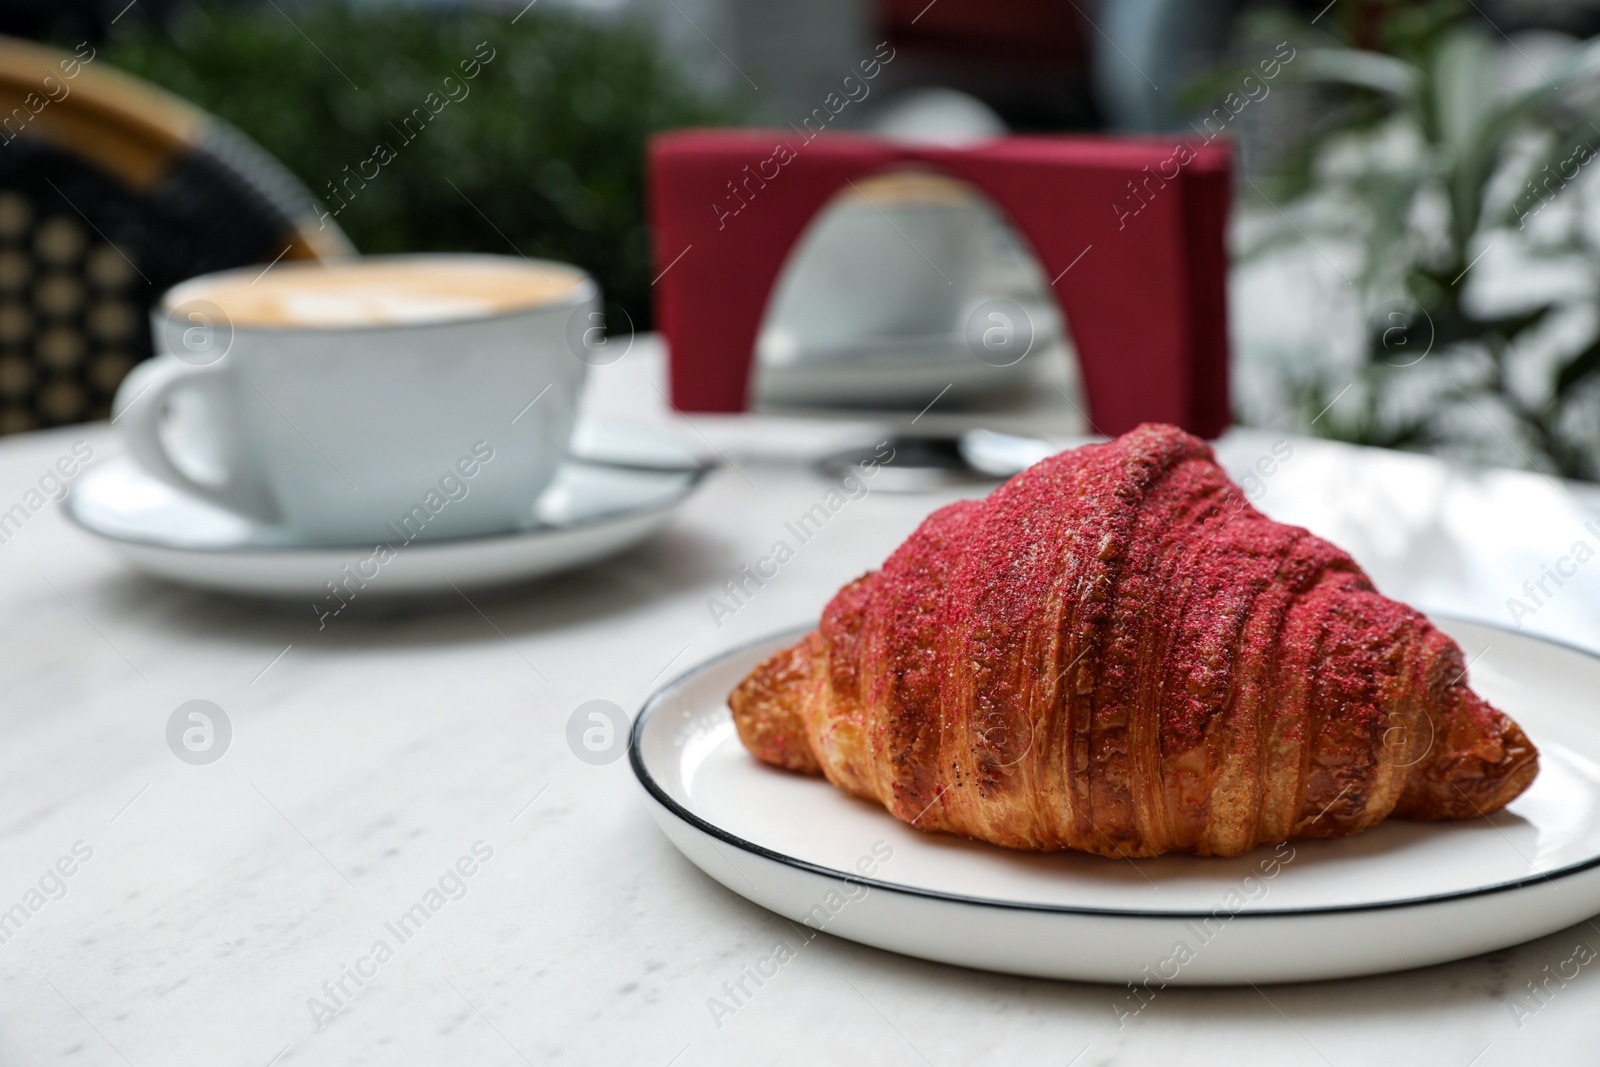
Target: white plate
x=1402, y=894
x=592, y=509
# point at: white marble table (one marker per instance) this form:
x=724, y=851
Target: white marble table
x=368, y=759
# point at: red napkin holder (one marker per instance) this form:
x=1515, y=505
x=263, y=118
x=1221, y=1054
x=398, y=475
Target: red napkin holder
x=1131, y=231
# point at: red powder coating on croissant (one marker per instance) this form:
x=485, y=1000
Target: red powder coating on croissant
x=1114, y=652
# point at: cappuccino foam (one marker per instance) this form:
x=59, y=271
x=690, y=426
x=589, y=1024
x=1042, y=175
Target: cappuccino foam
x=385, y=291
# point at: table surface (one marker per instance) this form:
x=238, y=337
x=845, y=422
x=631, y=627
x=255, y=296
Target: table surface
x=368, y=758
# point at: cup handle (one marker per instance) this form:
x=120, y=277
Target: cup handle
x=140, y=402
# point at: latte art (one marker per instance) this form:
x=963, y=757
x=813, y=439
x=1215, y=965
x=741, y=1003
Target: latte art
x=381, y=291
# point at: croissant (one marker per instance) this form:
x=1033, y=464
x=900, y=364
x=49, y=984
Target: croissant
x=1116, y=653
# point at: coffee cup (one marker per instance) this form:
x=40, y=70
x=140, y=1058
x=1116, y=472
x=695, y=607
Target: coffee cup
x=893, y=256
x=382, y=398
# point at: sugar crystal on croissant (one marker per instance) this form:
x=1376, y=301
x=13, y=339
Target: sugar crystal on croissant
x=1115, y=652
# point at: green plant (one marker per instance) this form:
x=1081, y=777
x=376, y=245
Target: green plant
x=1425, y=165
x=542, y=152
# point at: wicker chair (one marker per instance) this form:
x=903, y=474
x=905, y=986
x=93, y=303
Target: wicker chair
x=112, y=191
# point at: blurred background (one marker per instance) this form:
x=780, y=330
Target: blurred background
x=1414, y=249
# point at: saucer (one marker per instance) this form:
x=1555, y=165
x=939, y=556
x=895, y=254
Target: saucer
x=890, y=371
x=619, y=486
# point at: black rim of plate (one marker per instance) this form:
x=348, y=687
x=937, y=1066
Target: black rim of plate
x=660, y=795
